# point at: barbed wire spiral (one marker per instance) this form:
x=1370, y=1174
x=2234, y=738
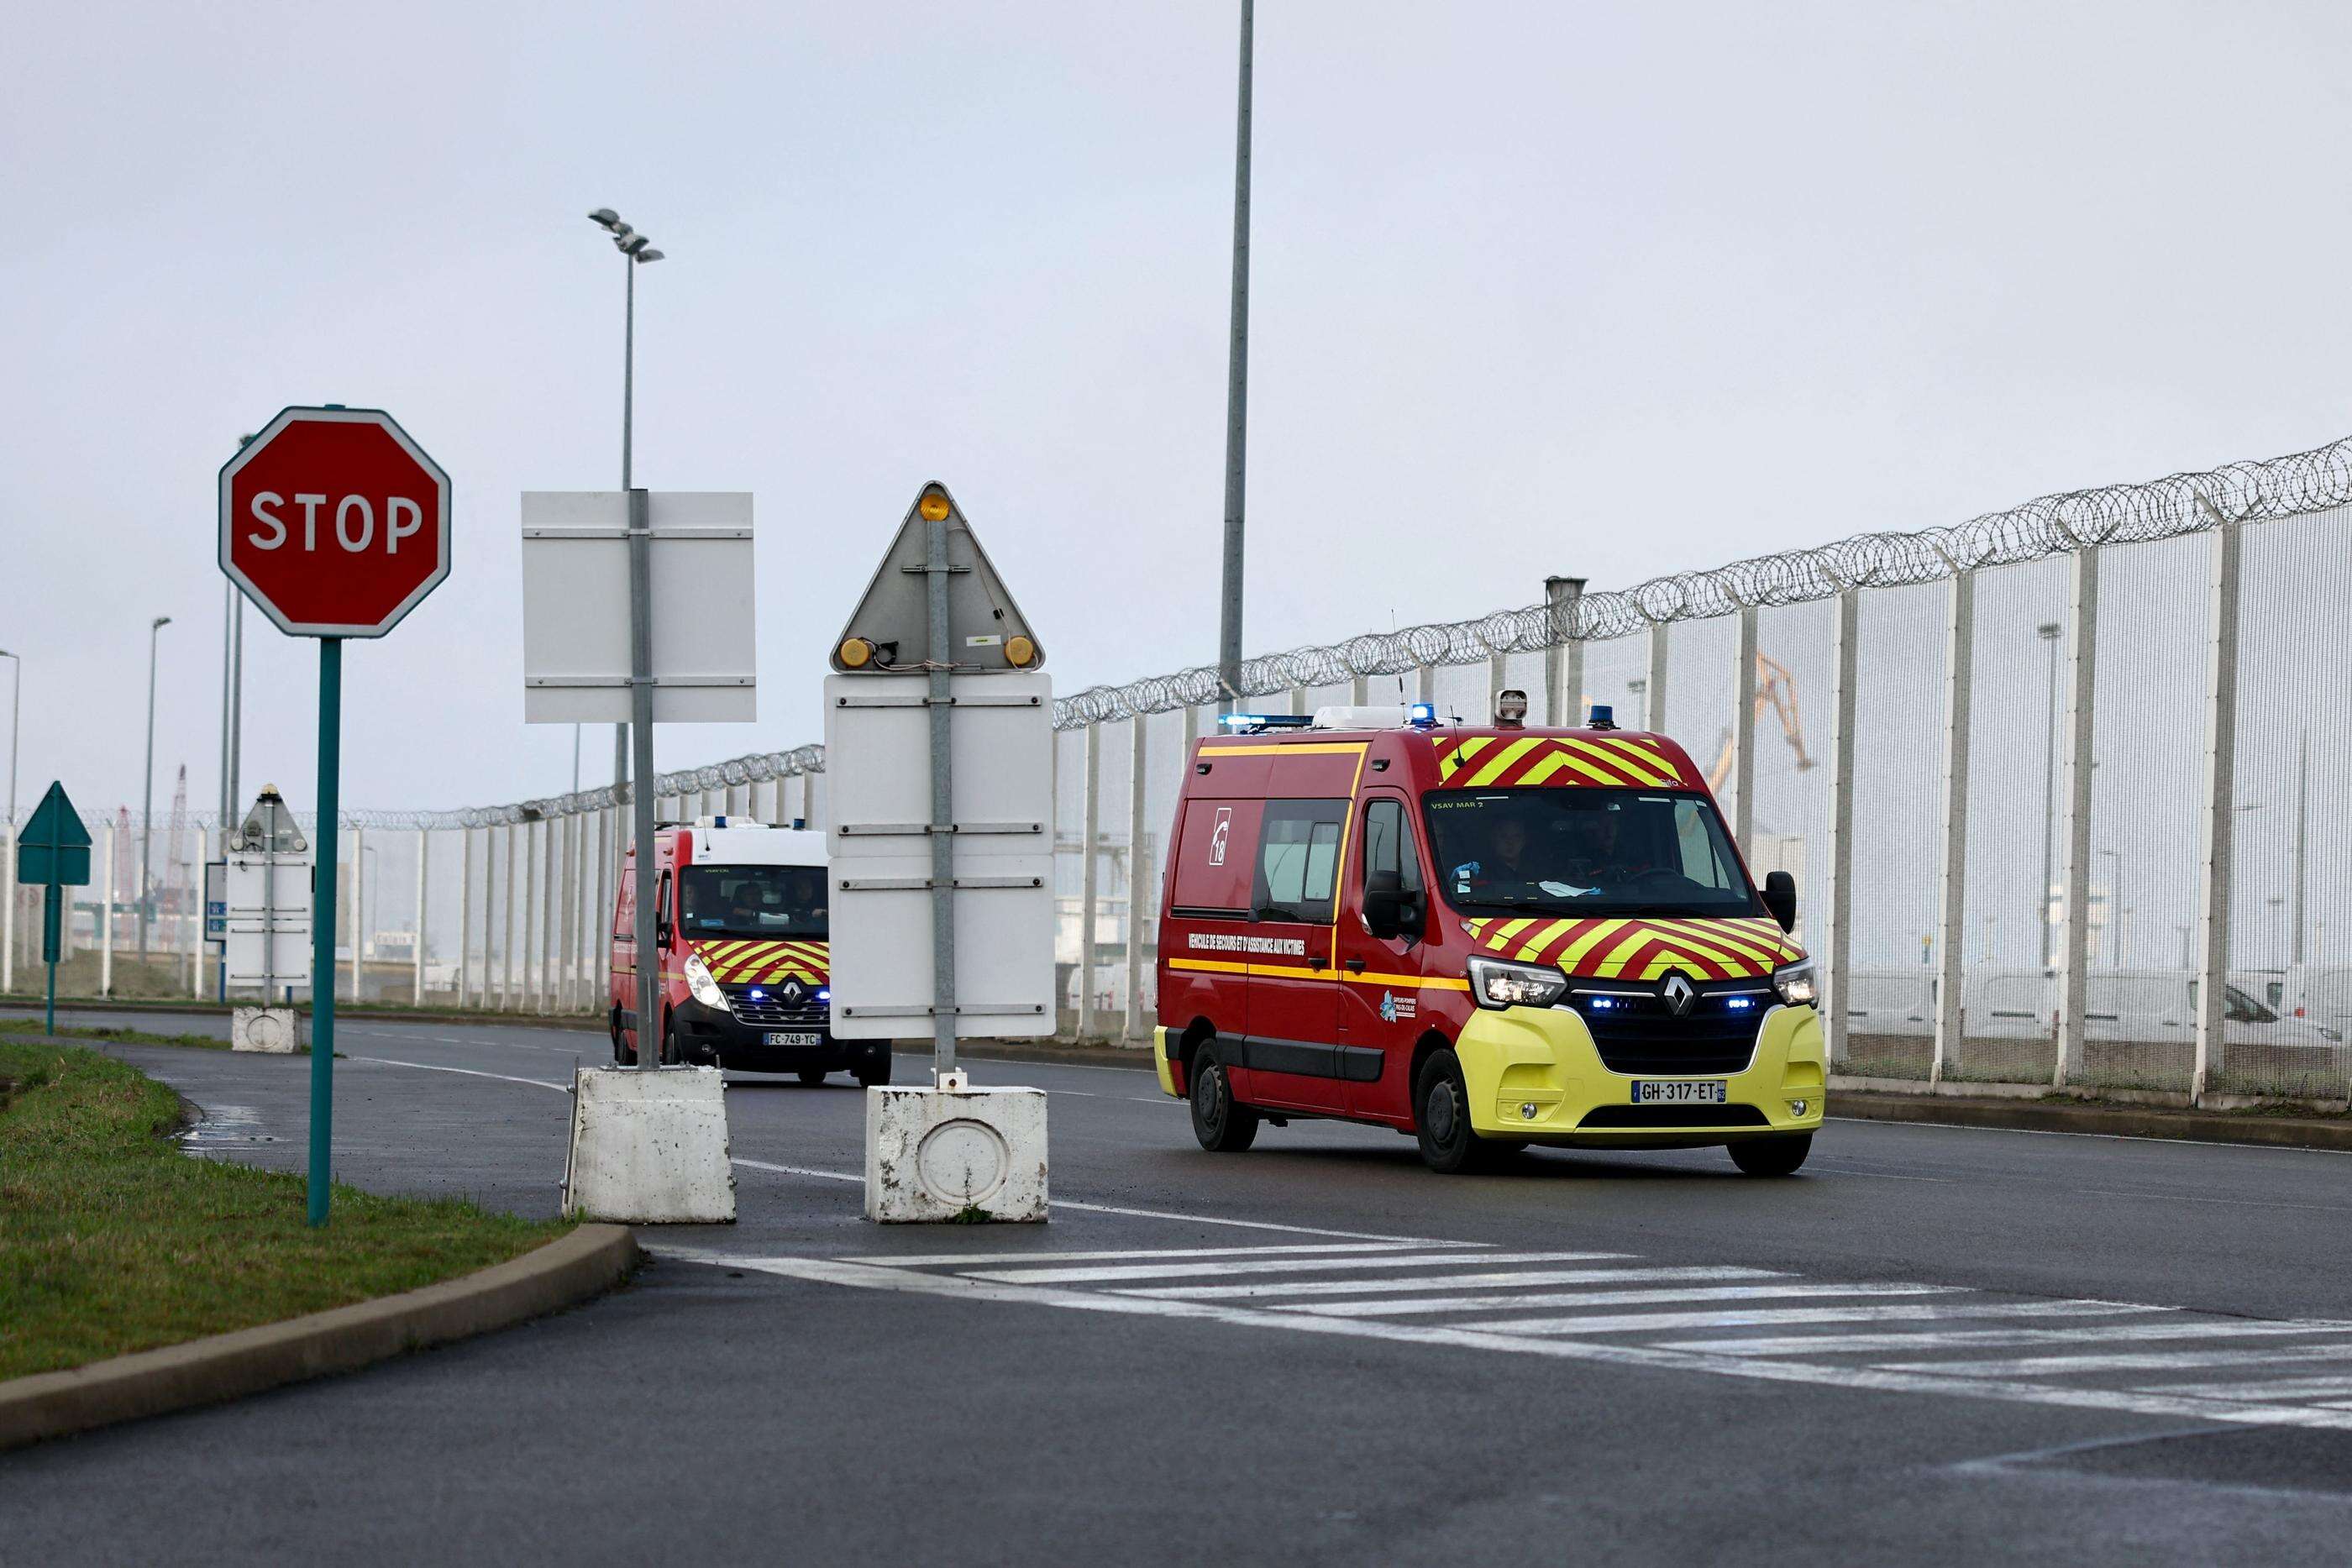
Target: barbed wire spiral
x=2177, y=504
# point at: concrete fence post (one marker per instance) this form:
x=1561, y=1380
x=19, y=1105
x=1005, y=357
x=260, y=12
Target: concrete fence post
x=2074, y=821
x=1743, y=737
x=195, y=886
x=106, y=921
x=1425, y=686
x=1138, y=874
x=1563, y=653
x=1952, y=874
x=9, y=898
x=1090, y=799
x=424, y=877
x=358, y=906
x=2217, y=831
x=506, y=926
x=1497, y=677
x=465, y=914
x=1653, y=695
x=1838, y=925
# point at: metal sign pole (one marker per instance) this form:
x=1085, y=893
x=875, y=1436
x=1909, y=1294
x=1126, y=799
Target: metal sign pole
x=52, y=901
x=641, y=787
x=943, y=986
x=323, y=932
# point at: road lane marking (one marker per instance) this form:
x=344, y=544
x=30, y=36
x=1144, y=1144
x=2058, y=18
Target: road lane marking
x=1418, y=1304
x=1639, y=1322
x=1968, y=1339
x=1498, y=1279
x=1071, y=1203
x=468, y=1071
x=1049, y=1276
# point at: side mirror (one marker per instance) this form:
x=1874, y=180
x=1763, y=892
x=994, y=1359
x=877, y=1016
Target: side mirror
x=1384, y=904
x=1780, y=898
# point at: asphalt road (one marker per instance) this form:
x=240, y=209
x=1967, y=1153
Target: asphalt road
x=1936, y=1345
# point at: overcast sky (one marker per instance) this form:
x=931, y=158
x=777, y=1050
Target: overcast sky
x=1540, y=287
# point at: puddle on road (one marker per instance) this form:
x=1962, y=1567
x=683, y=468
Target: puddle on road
x=226, y=1127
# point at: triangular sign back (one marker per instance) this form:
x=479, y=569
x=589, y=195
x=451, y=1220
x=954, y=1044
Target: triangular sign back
x=889, y=632
x=54, y=846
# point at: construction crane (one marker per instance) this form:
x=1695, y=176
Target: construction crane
x=1775, y=688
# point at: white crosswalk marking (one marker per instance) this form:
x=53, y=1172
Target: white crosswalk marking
x=1496, y=1279
x=1424, y=1304
x=1260, y=1266
x=937, y=1260
x=1740, y=1318
x=1893, y=1336
x=1837, y=1344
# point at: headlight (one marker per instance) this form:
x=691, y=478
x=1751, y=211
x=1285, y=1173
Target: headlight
x=1496, y=984
x=1795, y=983
x=705, y=989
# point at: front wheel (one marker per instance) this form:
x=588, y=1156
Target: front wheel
x=1772, y=1156
x=622, y=1055
x=811, y=1076
x=873, y=1073
x=1449, y=1144
x=1223, y=1124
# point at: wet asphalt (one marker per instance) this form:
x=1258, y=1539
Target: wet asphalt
x=725, y=1410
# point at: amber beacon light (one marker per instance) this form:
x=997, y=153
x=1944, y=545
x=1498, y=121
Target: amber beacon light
x=856, y=653
x=933, y=507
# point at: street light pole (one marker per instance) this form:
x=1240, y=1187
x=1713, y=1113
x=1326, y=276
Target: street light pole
x=1229, y=616
x=147, y=807
x=636, y=250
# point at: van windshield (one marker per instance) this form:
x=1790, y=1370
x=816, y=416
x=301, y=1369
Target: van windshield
x=1585, y=851
x=773, y=901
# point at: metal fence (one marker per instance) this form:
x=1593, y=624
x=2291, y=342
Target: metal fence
x=2055, y=784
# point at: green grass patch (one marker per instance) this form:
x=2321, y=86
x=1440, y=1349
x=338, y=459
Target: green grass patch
x=122, y=1036
x=112, y=1240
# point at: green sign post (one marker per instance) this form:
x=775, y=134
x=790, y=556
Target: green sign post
x=388, y=547
x=53, y=854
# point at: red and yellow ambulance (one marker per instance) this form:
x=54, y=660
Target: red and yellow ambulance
x=1485, y=937
x=740, y=923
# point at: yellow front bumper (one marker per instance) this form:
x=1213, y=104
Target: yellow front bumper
x=1160, y=1061
x=1534, y=1073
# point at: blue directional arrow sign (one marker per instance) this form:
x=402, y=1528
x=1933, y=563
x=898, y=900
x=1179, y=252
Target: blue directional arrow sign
x=53, y=854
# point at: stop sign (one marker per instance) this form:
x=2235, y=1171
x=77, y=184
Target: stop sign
x=334, y=521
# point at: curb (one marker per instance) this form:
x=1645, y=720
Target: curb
x=562, y=1274
x=2098, y=1121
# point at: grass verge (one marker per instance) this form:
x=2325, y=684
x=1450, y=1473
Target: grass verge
x=122, y=1036
x=112, y=1240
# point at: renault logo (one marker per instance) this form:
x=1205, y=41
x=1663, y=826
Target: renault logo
x=1678, y=994
x=791, y=990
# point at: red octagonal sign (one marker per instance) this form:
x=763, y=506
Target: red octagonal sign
x=334, y=522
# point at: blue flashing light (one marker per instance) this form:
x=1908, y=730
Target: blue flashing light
x=825, y=993
x=1421, y=714
x=757, y=994
x=1602, y=717
x=1237, y=720
x=1602, y=1004
x=1740, y=1004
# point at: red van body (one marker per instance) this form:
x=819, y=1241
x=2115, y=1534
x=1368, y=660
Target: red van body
x=1661, y=1004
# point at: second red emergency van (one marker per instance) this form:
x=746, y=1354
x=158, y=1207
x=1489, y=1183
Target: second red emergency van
x=1485, y=937
x=742, y=925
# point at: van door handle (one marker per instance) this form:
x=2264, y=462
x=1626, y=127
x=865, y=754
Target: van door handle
x=1317, y=963
x=1355, y=965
